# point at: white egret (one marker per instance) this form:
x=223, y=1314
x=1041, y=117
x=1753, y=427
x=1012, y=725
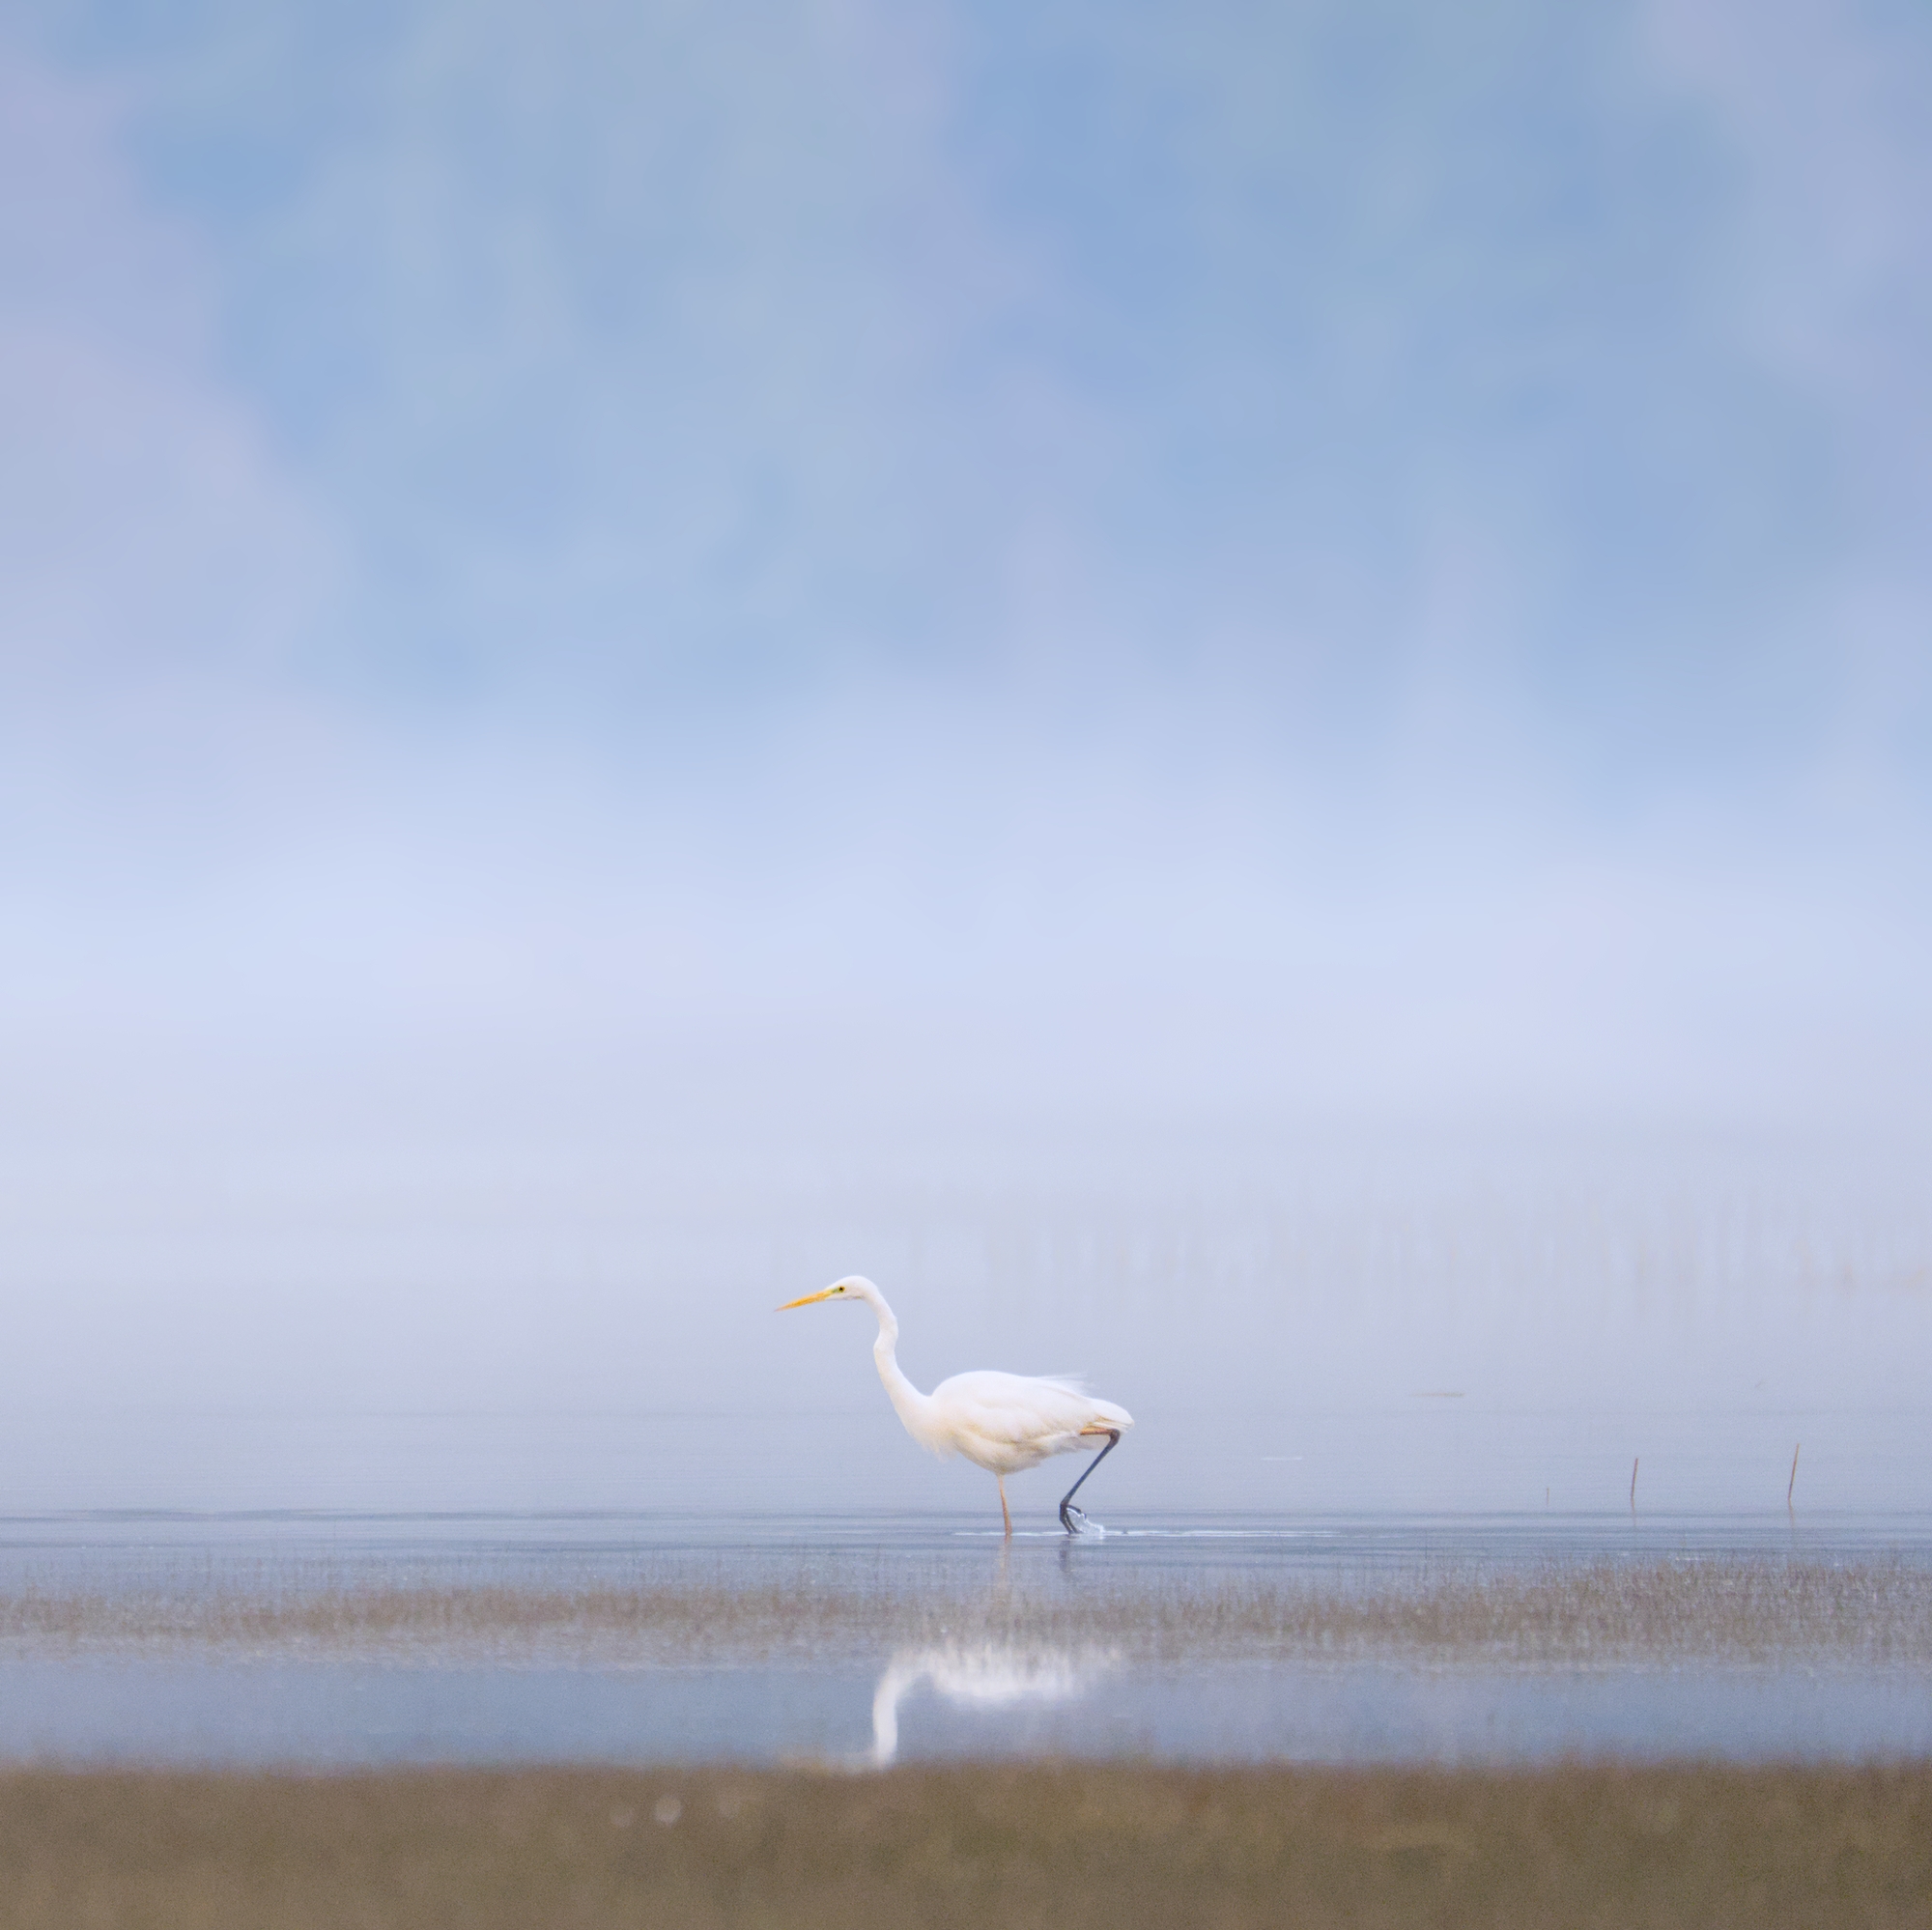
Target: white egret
x=1001, y=1422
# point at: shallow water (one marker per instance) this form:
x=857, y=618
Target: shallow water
x=288, y=1638
x=343, y=1714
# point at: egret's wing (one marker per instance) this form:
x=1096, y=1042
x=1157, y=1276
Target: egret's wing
x=1015, y=1407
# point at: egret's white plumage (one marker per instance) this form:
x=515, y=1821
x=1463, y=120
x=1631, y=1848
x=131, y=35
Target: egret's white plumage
x=1001, y=1422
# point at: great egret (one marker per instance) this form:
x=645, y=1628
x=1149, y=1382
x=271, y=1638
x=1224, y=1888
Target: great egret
x=1001, y=1422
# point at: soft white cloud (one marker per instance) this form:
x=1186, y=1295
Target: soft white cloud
x=995, y=553
x=150, y=539
x=1824, y=112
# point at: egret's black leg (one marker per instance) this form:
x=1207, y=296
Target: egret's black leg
x=1067, y=1509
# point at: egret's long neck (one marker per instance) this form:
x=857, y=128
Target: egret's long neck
x=912, y=1407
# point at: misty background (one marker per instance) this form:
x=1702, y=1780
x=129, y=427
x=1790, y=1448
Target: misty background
x=1242, y=696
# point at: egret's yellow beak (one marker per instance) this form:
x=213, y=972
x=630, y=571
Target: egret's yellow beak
x=823, y=1293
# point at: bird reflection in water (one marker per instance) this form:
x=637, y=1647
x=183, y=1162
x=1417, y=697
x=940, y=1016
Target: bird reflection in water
x=984, y=1675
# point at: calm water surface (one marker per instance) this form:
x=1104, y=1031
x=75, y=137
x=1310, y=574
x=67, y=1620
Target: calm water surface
x=869, y=1701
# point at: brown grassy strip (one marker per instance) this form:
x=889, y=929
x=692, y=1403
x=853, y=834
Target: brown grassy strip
x=1871, y=1613
x=1065, y=1846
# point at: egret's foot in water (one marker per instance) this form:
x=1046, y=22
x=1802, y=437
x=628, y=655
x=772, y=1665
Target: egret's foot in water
x=1068, y=1510
x=1077, y=1521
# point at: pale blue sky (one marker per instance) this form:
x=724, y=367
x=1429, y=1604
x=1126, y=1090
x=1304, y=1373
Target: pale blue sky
x=1132, y=665
x=1381, y=549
